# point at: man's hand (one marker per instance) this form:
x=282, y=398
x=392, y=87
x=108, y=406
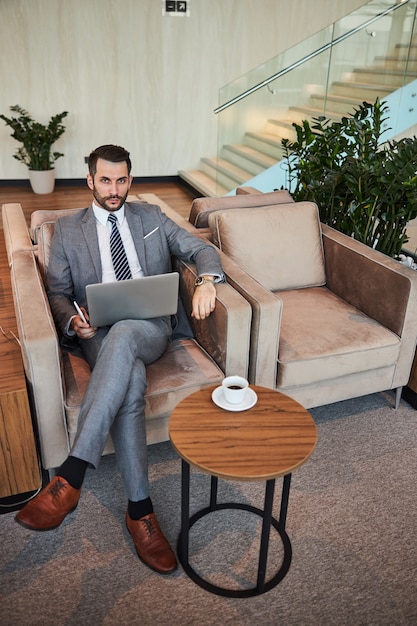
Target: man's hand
x=83, y=330
x=204, y=300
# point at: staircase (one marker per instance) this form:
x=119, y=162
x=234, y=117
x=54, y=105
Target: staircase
x=238, y=163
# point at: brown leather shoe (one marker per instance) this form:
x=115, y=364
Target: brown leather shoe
x=49, y=508
x=151, y=545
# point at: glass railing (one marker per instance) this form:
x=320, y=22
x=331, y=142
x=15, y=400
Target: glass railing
x=367, y=54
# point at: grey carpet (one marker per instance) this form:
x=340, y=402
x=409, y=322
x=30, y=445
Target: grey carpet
x=352, y=519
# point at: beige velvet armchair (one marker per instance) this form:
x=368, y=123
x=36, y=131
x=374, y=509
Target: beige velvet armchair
x=331, y=318
x=57, y=380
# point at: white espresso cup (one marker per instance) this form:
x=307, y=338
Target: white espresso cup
x=234, y=389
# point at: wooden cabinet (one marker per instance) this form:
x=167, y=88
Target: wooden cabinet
x=19, y=466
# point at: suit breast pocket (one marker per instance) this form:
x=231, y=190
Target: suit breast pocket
x=158, y=258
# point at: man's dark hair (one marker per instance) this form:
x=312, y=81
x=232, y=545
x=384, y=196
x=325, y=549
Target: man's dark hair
x=114, y=154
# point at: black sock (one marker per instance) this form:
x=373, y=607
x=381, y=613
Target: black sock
x=73, y=470
x=139, y=509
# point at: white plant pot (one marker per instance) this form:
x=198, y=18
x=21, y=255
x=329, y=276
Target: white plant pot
x=42, y=181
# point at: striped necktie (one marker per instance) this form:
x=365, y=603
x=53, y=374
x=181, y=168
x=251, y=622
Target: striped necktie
x=118, y=252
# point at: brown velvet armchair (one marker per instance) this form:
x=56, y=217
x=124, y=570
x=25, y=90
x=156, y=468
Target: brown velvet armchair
x=57, y=380
x=331, y=318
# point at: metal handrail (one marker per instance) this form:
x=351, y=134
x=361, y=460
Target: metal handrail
x=323, y=48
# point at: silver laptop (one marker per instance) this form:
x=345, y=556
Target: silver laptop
x=137, y=298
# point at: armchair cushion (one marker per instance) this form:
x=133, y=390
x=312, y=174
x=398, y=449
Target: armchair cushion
x=312, y=345
x=286, y=239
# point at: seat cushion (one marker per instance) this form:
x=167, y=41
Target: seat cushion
x=323, y=337
x=280, y=245
x=184, y=368
x=201, y=208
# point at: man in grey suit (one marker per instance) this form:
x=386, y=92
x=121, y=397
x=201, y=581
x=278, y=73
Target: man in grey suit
x=114, y=401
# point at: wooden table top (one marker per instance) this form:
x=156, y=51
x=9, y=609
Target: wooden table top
x=271, y=439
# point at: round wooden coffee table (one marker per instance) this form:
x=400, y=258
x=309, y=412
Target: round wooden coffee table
x=267, y=441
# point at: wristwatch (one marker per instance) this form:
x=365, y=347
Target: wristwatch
x=200, y=280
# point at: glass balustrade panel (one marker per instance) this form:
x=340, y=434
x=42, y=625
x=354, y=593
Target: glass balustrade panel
x=328, y=74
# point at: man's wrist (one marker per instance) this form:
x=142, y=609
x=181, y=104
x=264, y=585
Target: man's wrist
x=201, y=280
x=68, y=330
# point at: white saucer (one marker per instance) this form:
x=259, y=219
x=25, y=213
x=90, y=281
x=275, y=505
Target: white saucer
x=250, y=400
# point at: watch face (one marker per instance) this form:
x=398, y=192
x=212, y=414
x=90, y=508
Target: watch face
x=201, y=280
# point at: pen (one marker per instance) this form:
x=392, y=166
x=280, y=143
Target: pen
x=80, y=313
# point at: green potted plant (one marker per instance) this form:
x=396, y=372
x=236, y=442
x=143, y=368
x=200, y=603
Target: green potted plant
x=36, y=150
x=363, y=187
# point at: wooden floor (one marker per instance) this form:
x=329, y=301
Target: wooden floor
x=177, y=196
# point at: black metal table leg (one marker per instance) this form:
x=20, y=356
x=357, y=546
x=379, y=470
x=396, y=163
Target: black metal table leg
x=184, y=539
x=284, y=500
x=267, y=521
x=213, y=492
x=266, y=527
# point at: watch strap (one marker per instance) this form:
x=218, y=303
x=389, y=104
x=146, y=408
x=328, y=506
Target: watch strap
x=200, y=280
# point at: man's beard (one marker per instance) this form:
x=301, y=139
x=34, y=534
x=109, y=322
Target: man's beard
x=102, y=201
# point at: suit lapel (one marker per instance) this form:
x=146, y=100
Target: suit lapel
x=89, y=229
x=136, y=228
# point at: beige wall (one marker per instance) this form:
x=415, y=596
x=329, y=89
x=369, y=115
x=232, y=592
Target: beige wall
x=128, y=75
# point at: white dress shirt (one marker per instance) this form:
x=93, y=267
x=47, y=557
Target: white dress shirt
x=103, y=233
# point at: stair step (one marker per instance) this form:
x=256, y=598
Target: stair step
x=248, y=158
x=392, y=78
x=399, y=47
x=203, y=183
x=308, y=113
x=397, y=62
x=363, y=91
x=344, y=105
x=283, y=129
x=266, y=143
x=228, y=174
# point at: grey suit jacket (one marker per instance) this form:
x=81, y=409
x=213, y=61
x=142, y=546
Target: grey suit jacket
x=75, y=262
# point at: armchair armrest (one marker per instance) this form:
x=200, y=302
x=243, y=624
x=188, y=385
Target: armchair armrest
x=16, y=233
x=377, y=285
x=41, y=356
x=369, y=280
x=225, y=333
x=152, y=198
x=265, y=327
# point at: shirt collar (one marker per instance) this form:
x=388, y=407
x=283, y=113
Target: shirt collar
x=101, y=215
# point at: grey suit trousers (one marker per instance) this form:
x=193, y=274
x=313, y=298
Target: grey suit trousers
x=114, y=401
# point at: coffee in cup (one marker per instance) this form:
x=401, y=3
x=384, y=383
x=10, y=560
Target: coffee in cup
x=234, y=389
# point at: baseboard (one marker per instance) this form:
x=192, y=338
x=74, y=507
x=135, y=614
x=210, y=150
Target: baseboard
x=77, y=182
x=20, y=182
x=186, y=185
